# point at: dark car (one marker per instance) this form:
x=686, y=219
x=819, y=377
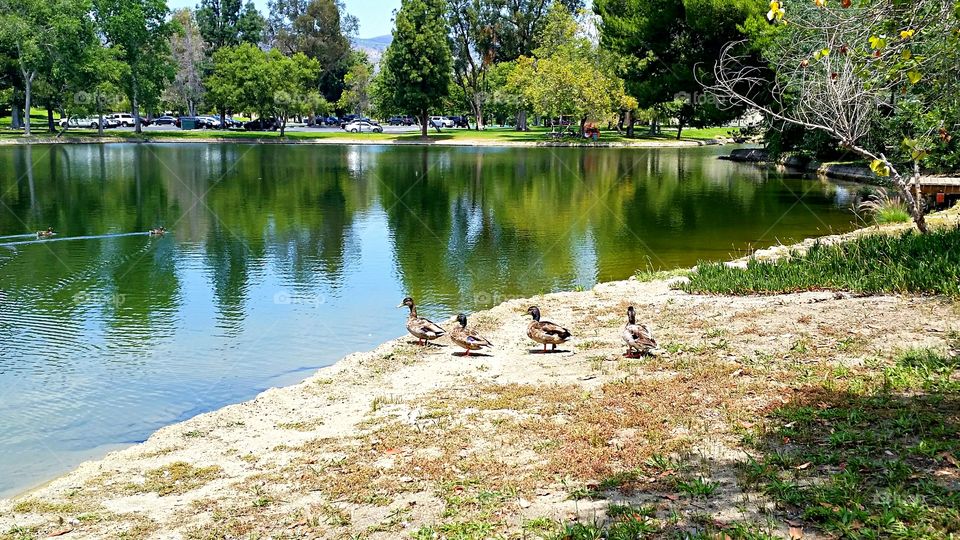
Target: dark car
x=401, y=121
x=461, y=121
x=350, y=118
x=262, y=124
x=165, y=121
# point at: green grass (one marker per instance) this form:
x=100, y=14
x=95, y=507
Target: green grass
x=906, y=263
x=885, y=209
x=871, y=465
x=491, y=135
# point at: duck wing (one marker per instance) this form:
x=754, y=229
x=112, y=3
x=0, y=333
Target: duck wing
x=474, y=337
x=639, y=335
x=552, y=329
x=428, y=327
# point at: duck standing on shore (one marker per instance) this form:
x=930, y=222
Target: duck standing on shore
x=638, y=337
x=49, y=233
x=468, y=338
x=546, y=332
x=422, y=329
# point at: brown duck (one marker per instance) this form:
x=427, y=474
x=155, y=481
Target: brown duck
x=468, y=338
x=422, y=329
x=638, y=337
x=546, y=332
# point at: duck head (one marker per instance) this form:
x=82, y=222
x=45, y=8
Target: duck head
x=407, y=302
x=534, y=312
x=462, y=319
x=631, y=315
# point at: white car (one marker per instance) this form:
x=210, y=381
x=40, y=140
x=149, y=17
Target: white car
x=441, y=121
x=85, y=123
x=122, y=119
x=362, y=125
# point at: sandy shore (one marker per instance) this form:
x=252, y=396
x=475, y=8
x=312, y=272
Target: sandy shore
x=407, y=441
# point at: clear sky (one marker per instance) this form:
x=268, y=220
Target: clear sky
x=376, y=16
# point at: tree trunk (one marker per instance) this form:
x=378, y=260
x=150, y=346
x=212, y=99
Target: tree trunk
x=521, y=123
x=15, y=112
x=28, y=89
x=136, y=108
x=51, y=125
x=99, y=116
x=628, y=120
x=424, y=119
x=283, y=125
x=680, y=126
x=583, y=126
x=223, y=117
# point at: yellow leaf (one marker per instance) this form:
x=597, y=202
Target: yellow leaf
x=879, y=168
x=877, y=42
x=820, y=3
x=907, y=54
x=907, y=34
x=914, y=76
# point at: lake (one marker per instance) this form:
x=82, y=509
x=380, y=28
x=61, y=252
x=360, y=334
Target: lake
x=282, y=259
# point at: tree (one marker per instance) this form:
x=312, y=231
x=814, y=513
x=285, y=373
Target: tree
x=418, y=59
x=320, y=29
x=667, y=46
x=356, y=96
x=43, y=34
x=189, y=55
x=473, y=43
x=224, y=23
x=141, y=32
x=273, y=85
x=567, y=75
x=841, y=69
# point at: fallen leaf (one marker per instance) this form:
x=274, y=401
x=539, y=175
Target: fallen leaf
x=796, y=533
x=671, y=497
x=803, y=466
x=60, y=532
x=391, y=451
x=949, y=457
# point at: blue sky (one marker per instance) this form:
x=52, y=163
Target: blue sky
x=376, y=16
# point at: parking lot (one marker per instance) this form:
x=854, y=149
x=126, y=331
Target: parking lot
x=290, y=128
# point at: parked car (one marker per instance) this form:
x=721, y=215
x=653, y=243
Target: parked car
x=326, y=121
x=165, y=121
x=460, y=121
x=123, y=119
x=83, y=123
x=363, y=125
x=262, y=124
x=401, y=121
x=441, y=122
x=208, y=122
x=349, y=118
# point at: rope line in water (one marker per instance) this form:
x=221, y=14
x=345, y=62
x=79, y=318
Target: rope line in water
x=46, y=240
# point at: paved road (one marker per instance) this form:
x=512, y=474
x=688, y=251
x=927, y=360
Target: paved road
x=290, y=128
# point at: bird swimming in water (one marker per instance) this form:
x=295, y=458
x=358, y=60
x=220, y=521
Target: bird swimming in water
x=546, y=332
x=468, y=338
x=159, y=231
x=638, y=337
x=49, y=233
x=422, y=329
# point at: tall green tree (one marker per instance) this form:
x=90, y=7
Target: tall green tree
x=46, y=37
x=223, y=23
x=356, y=95
x=473, y=43
x=320, y=29
x=270, y=83
x=668, y=47
x=189, y=55
x=140, y=30
x=418, y=59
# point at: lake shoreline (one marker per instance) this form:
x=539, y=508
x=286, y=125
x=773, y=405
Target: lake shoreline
x=298, y=458
x=345, y=141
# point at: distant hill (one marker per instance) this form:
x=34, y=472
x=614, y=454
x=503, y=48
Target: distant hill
x=374, y=46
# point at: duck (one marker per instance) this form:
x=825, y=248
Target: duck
x=468, y=338
x=422, y=329
x=638, y=337
x=159, y=231
x=47, y=233
x=546, y=332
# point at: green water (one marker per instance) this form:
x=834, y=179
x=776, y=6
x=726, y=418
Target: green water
x=282, y=259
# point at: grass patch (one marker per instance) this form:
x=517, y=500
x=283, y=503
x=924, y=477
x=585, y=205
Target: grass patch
x=878, y=465
x=177, y=478
x=885, y=209
x=906, y=263
x=34, y=506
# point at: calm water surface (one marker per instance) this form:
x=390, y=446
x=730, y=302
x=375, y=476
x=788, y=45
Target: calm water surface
x=283, y=259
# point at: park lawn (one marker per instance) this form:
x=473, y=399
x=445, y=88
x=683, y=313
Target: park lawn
x=492, y=135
